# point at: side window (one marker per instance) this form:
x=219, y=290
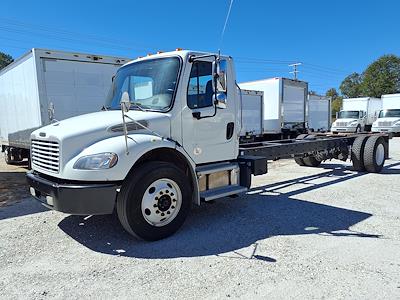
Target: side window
x=200, y=91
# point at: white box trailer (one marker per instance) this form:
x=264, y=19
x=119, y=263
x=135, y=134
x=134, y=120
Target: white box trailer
x=284, y=106
x=357, y=114
x=389, y=117
x=319, y=113
x=75, y=83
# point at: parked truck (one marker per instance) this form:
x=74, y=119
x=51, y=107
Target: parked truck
x=357, y=114
x=319, y=113
x=46, y=84
x=284, y=105
x=169, y=138
x=389, y=117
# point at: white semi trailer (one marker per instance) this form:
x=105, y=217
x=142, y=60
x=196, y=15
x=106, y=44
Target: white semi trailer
x=284, y=105
x=319, y=113
x=357, y=114
x=168, y=139
x=389, y=117
x=41, y=81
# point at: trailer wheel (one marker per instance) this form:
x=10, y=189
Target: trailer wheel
x=357, y=153
x=374, y=154
x=154, y=201
x=311, y=161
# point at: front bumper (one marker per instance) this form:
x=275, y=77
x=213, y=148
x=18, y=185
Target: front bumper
x=73, y=198
x=343, y=129
x=392, y=129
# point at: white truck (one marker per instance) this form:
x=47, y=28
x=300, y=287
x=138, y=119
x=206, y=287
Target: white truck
x=389, y=117
x=319, y=113
x=43, y=80
x=168, y=139
x=284, y=105
x=357, y=114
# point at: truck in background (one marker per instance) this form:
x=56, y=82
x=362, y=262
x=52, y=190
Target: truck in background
x=284, y=105
x=319, y=113
x=357, y=114
x=41, y=80
x=389, y=117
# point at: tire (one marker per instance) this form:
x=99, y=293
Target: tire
x=374, y=154
x=299, y=161
x=357, y=153
x=7, y=156
x=139, y=206
x=311, y=161
x=358, y=129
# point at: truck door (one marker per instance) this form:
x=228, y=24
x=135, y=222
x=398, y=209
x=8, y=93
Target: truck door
x=209, y=137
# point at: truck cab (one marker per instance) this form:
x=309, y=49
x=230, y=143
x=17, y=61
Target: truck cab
x=388, y=121
x=349, y=121
x=174, y=138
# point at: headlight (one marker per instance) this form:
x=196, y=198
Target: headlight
x=97, y=161
x=397, y=123
x=355, y=123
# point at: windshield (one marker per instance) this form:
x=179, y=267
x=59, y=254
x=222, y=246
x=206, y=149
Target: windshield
x=150, y=84
x=348, y=114
x=389, y=113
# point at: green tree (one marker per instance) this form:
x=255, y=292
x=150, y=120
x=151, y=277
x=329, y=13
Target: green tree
x=5, y=60
x=352, y=86
x=382, y=77
x=336, y=103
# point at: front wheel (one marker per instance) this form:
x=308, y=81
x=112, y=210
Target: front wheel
x=154, y=201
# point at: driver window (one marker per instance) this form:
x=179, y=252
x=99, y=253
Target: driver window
x=200, y=90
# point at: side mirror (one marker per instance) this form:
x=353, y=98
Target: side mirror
x=220, y=100
x=125, y=102
x=220, y=70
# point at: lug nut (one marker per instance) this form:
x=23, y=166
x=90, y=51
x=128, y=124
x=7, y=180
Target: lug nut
x=162, y=214
x=168, y=212
x=157, y=212
x=172, y=206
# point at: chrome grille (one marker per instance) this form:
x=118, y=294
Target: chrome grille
x=341, y=124
x=45, y=155
x=385, y=123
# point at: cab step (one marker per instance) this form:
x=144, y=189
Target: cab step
x=225, y=191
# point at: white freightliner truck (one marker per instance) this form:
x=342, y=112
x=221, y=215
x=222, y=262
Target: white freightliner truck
x=169, y=139
x=357, y=114
x=389, y=117
x=43, y=81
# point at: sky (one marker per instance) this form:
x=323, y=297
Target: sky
x=331, y=39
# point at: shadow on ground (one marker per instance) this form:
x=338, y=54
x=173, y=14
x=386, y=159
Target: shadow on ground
x=231, y=224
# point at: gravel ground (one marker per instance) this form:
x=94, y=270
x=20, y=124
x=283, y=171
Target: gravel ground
x=304, y=233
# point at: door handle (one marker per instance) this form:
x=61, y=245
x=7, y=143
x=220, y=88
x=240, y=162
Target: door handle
x=229, y=130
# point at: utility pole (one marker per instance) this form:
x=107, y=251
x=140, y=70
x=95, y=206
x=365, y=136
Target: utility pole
x=295, y=71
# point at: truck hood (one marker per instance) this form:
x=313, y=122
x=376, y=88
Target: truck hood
x=346, y=120
x=77, y=133
x=387, y=121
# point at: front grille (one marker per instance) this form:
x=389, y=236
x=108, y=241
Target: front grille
x=385, y=123
x=338, y=124
x=45, y=155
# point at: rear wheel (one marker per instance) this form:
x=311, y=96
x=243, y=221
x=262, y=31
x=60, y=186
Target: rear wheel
x=311, y=161
x=154, y=201
x=374, y=154
x=357, y=153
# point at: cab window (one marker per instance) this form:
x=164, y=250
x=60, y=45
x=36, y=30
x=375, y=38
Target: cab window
x=200, y=89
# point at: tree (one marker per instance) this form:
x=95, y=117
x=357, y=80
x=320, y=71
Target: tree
x=5, y=60
x=352, y=86
x=336, y=103
x=382, y=76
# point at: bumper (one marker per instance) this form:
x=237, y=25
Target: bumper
x=343, y=129
x=74, y=198
x=386, y=129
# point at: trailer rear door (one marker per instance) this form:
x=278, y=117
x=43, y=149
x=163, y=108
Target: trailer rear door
x=76, y=87
x=293, y=102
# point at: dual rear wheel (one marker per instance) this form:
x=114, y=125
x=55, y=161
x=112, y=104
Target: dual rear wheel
x=368, y=153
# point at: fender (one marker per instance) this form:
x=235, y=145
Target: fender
x=138, y=145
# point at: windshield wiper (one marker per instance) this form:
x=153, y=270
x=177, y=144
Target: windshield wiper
x=138, y=105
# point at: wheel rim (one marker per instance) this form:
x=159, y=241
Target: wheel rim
x=161, y=202
x=380, y=154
